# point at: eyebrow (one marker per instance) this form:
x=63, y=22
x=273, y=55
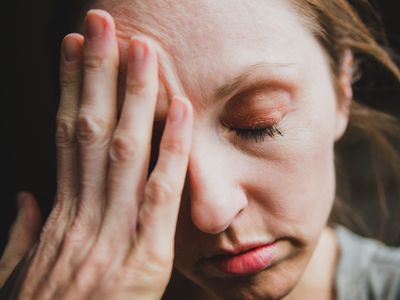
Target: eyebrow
x=233, y=85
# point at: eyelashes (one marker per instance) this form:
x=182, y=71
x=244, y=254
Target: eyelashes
x=258, y=134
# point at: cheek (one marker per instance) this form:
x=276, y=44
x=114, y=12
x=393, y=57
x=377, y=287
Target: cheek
x=302, y=180
x=310, y=174
x=298, y=186
x=309, y=156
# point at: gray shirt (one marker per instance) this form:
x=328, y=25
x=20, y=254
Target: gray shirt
x=367, y=268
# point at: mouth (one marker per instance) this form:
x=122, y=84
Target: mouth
x=249, y=260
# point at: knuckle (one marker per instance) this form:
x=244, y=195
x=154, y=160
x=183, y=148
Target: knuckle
x=73, y=241
x=5, y=264
x=158, y=190
x=57, y=213
x=65, y=133
x=91, y=130
x=156, y=272
x=80, y=229
x=70, y=75
x=160, y=260
x=85, y=279
x=73, y=237
x=93, y=269
x=50, y=230
x=173, y=146
x=48, y=245
x=98, y=262
x=137, y=86
x=69, y=80
x=97, y=62
x=93, y=62
x=47, y=232
x=123, y=148
x=78, y=233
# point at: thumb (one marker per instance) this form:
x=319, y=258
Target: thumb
x=23, y=234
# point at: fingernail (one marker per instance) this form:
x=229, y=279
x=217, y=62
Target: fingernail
x=137, y=51
x=137, y=54
x=71, y=49
x=21, y=199
x=177, y=110
x=94, y=25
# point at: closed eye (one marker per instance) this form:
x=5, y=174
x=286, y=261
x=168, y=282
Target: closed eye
x=258, y=134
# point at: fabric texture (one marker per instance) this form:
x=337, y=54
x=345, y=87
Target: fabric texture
x=367, y=269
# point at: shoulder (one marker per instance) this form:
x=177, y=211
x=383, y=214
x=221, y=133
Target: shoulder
x=367, y=268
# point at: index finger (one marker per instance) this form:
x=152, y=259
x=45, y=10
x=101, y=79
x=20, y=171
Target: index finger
x=163, y=191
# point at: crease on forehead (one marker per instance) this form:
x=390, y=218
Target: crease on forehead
x=168, y=31
x=171, y=28
x=188, y=35
x=167, y=72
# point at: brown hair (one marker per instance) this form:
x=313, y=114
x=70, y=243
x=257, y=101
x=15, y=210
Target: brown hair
x=338, y=28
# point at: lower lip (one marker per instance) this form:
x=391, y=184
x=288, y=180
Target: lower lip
x=247, y=263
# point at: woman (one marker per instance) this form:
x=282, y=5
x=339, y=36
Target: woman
x=196, y=156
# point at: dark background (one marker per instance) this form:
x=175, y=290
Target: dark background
x=31, y=35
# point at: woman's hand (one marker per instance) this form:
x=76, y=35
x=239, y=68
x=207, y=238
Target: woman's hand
x=23, y=234
x=111, y=232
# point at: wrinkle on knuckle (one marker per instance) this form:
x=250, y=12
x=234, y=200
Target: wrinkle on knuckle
x=85, y=280
x=91, y=130
x=123, y=148
x=78, y=233
x=158, y=190
x=155, y=273
x=98, y=262
x=135, y=87
x=60, y=208
x=49, y=229
x=93, y=62
x=160, y=260
x=72, y=239
x=69, y=80
x=93, y=269
x=65, y=133
x=173, y=147
x=74, y=236
x=48, y=242
x=96, y=62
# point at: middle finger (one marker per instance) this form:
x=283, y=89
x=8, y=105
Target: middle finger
x=97, y=115
x=130, y=147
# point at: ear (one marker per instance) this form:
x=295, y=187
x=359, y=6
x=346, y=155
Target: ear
x=345, y=94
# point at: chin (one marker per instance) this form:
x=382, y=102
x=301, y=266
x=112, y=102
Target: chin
x=275, y=282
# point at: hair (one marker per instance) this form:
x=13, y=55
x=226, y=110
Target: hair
x=338, y=28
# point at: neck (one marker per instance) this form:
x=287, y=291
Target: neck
x=318, y=280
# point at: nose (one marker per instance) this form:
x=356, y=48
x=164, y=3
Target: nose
x=216, y=197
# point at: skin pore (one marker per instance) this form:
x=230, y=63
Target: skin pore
x=265, y=122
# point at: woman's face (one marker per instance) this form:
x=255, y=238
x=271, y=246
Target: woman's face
x=262, y=164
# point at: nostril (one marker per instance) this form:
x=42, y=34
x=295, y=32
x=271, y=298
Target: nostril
x=210, y=219
x=216, y=195
x=209, y=225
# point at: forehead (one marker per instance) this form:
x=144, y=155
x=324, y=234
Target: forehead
x=202, y=42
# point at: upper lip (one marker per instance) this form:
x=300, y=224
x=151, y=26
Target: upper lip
x=236, y=249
